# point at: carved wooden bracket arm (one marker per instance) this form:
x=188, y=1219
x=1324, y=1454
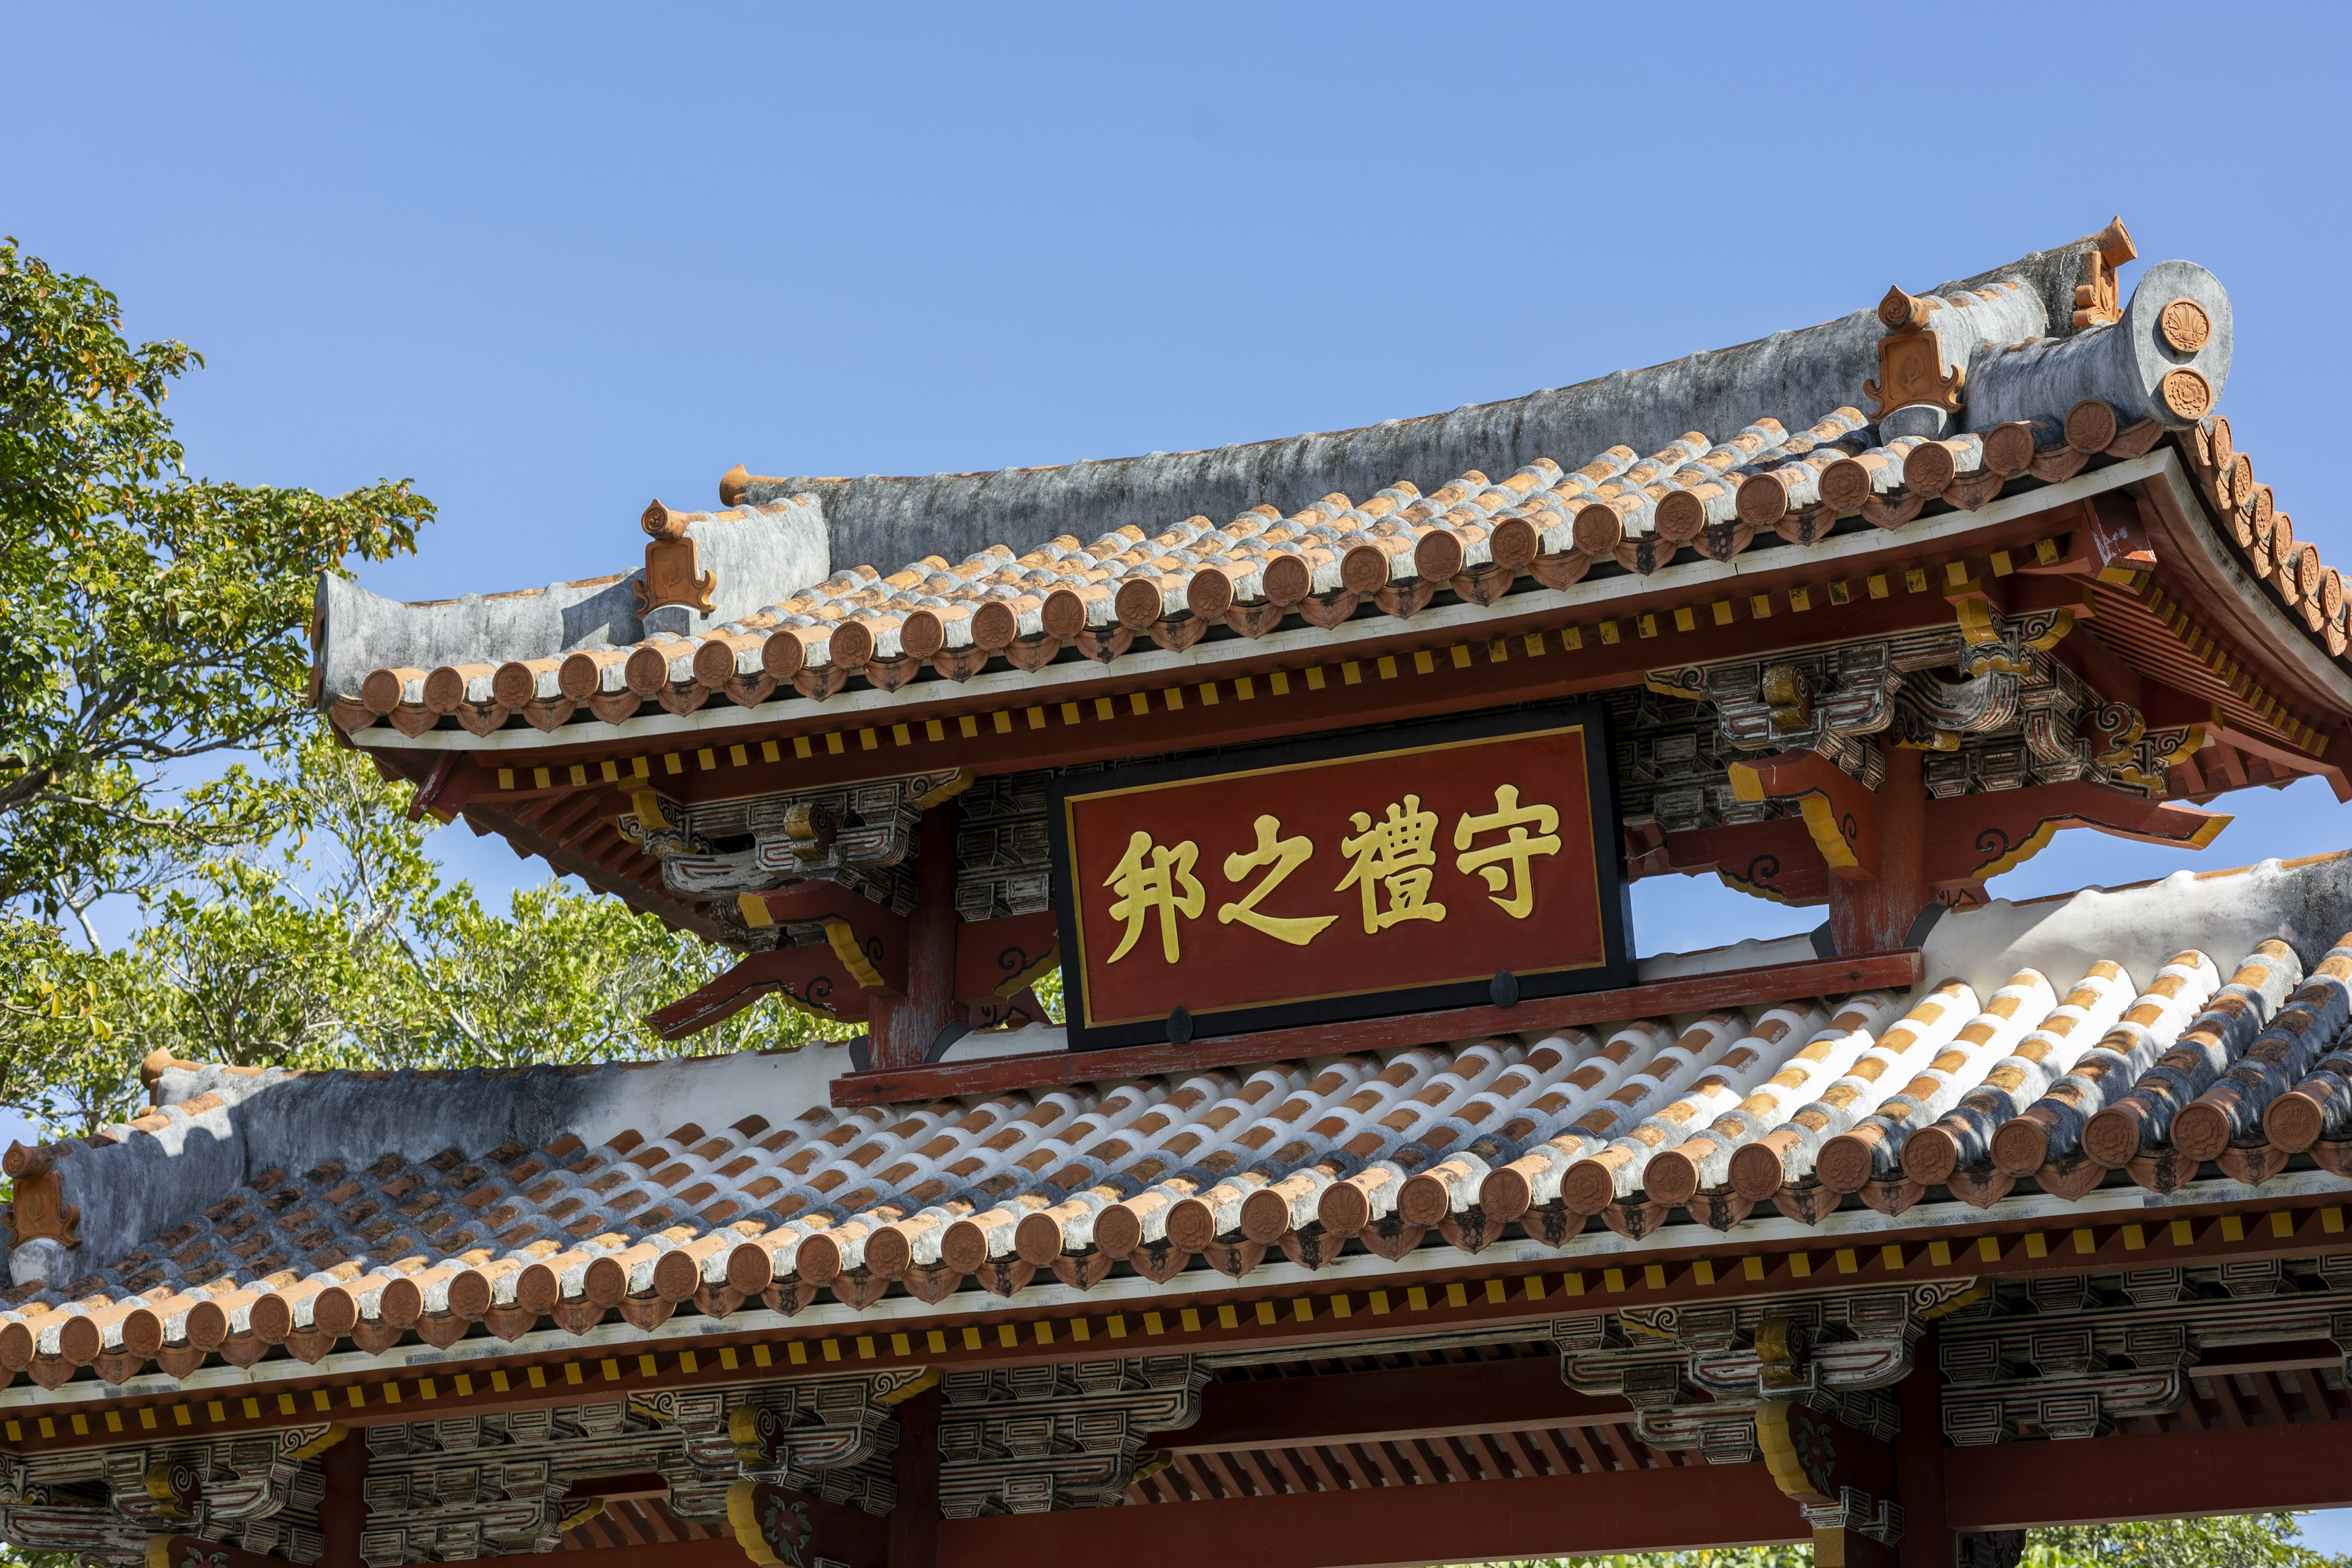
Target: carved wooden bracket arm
x=812, y=977
x=1840, y=811
x=1971, y=837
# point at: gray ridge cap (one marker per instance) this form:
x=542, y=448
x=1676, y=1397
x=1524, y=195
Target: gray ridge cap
x=141, y=1180
x=1791, y=374
x=757, y=559
x=794, y=533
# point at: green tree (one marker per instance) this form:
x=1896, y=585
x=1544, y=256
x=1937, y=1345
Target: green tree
x=155, y=618
x=334, y=941
x=2229, y=1541
x=291, y=913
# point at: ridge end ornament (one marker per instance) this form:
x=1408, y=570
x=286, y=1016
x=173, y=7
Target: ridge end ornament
x=1911, y=359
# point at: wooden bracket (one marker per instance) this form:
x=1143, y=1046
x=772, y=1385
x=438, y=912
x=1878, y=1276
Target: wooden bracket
x=434, y=793
x=2109, y=542
x=1017, y=1011
x=810, y=977
x=1775, y=861
x=1000, y=959
x=2289, y=758
x=1974, y=836
x=1821, y=1464
x=1839, y=812
x=2115, y=541
x=197, y=1551
x=869, y=942
x=779, y=1527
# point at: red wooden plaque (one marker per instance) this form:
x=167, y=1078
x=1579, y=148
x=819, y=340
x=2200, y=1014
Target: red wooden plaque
x=1428, y=866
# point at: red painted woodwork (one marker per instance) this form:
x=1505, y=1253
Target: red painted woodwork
x=2288, y=759
x=1839, y=809
x=621, y=1489
x=1775, y=859
x=1500, y=671
x=2114, y=540
x=1454, y=1399
x=1420, y=859
x=2023, y=595
x=1467, y=1522
x=902, y=1030
x=1874, y=915
x=1897, y=970
x=2109, y=542
x=882, y=935
x=342, y=1510
x=1973, y=837
x=915, y=1467
x=811, y=975
x=1919, y=1462
x=992, y=954
x=1817, y=1460
x=2215, y=607
x=783, y=1527
x=2169, y=1475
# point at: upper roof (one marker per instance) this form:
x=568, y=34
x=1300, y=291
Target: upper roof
x=802, y=586
x=2105, y=1038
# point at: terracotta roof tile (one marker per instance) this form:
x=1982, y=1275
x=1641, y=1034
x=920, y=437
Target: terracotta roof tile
x=2065, y=1073
x=1468, y=535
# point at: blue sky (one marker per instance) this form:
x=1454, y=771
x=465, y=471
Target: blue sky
x=551, y=262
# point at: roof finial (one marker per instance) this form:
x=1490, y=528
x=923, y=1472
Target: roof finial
x=1901, y=313
x=662, y=522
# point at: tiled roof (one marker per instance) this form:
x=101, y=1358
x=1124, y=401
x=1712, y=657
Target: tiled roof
x=2042, y=403
x=1473, y=535
x=2156, y=1029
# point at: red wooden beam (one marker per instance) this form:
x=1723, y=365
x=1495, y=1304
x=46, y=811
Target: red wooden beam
x=872, y=941
x=913, y=1530
x=1775, y=859
x=343, y=1511
x=1919, y=1453
x=1896, y=970
x=621, y=1489
x=1514, y=676
x=1839, y=812
x=1972, y=837
x=811, y=976
x=2168, y=1475
x=1451, y=1400
x=1467, y=1522
x=901, y=1028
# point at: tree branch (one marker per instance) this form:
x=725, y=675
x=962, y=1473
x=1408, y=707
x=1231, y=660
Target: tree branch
x=65, y=897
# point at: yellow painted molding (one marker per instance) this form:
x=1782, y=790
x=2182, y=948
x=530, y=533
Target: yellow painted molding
x=1822, y=822
x=844, y=942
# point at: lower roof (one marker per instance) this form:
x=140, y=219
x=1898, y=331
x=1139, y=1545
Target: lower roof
x=2126, y=1035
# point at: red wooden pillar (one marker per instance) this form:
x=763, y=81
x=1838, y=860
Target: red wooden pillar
x=914, y=1523
x=1919, y=1462
x=901, y=1029
x=343, y=1511
x=1873, y=914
